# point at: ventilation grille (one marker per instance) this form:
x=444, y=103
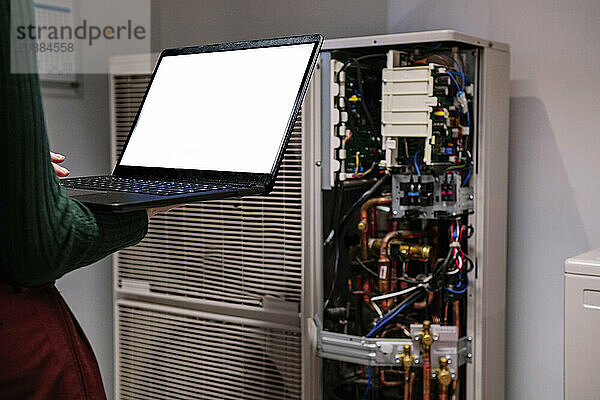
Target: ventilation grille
x=128, y=93
x=169, y=356
x=234, y=251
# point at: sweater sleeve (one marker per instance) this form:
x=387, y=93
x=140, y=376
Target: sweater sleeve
x=43, y=233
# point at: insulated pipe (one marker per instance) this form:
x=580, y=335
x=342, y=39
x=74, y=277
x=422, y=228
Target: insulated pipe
x=363, y=224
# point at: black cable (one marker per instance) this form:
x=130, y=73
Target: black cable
x=393, y=313
x=338, y=201
x=358, y=260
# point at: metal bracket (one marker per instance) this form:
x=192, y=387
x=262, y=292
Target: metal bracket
x=383, y=352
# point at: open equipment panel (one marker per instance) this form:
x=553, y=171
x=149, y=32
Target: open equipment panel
x=412, y=211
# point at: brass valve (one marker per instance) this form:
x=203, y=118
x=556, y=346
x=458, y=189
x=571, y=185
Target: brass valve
x=407, y=358
x=362, y=225
x=415, y=251
x=425, y=336
x=444, y=376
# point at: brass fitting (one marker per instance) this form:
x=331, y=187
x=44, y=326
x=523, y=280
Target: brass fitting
x=407, y=358
x=362, y=225
x=415, y=251
x=444, y=376
x=425, y=336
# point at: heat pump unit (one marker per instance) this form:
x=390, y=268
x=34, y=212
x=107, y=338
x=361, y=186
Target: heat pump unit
x=280, y=297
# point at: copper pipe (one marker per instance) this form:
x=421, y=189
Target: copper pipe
x=426, y=373
x=423, y=304
x=363, y=224
x=406, y=383
x=443, y=395
x=456, y=310
x=384, y=260
x=410, y=385
x=387, y=383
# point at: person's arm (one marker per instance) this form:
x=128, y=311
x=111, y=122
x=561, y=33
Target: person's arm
x=43, y=233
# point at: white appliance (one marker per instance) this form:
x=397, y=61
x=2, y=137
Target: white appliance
x=582, y=326
x=217, y=302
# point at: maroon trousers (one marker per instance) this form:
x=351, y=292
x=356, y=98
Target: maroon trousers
x=44, y=354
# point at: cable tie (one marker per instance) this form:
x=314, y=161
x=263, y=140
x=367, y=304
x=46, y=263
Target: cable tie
x=455, y=245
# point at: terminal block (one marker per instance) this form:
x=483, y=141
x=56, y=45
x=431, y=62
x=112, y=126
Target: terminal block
x=429, y=196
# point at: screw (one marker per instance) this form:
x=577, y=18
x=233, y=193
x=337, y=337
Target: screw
x=469, y=355
x=384, y=81
x=471, y=197
x=416, y=361
x=318, y=163
x=395, y=212
x=470, y=338
x=383, y=123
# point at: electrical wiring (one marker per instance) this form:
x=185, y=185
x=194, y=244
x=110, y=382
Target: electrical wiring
x=400, y=293
x=453, y=80
x=367, y=172
x=396, y=310
x=359, y=261
x=462, y=291
x=417, y=164
x=370, y=376
x=467, y=178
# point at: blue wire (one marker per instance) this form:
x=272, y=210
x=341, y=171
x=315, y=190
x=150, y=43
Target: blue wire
x=461, y=72
x=453, y=80
x=467, y=178
x=364, y=396
x=462, y=290
x=417, y=165
x=385, y=319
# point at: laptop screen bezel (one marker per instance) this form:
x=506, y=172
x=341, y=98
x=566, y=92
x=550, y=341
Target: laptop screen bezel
x=246, y=178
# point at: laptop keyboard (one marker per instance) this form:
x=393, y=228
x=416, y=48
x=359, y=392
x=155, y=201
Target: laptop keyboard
x=144, y=186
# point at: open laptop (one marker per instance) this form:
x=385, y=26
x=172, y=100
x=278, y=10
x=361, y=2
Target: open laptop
x=214, y=123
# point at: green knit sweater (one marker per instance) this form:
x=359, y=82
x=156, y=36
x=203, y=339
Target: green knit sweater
x=43, y=233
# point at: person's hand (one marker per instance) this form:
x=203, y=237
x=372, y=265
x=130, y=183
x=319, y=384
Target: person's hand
x=153, y=211
x=57, y=159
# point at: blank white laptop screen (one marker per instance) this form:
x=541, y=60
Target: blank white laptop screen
x=221, y=111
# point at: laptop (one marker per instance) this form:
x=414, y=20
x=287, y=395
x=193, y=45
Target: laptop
x=214, y=123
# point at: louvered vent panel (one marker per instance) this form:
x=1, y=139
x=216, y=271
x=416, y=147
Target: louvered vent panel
x=128, y=93
x=170, y=356
x=233, y=251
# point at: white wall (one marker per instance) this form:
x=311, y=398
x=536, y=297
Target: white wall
x=78, y=127
x=187, y=22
